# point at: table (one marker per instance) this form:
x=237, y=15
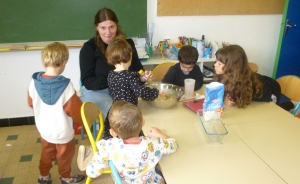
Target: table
x=253, y=112
x=242, y=158
x=276, y=142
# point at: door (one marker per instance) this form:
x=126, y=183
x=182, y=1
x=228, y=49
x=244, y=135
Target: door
x=288, y=52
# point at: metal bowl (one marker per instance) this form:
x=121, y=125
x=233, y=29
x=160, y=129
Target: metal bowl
x=173, y=94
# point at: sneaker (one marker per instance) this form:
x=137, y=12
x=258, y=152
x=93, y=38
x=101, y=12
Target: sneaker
x=73, y=179
x=85, y=155
x=44, y=179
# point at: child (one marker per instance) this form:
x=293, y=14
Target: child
x=56, y=106
x=122, y=83
x=134, y=157
x=241, y=84
x=186, y=68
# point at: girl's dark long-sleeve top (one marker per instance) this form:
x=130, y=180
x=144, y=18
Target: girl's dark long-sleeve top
x=126, y=85
x=94, y=68
x=176, y=76
x=270, y=87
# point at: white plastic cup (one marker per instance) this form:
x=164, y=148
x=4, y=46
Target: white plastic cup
x=189, y=86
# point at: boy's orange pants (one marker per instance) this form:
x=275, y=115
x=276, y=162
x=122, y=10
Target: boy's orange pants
x=64, y=154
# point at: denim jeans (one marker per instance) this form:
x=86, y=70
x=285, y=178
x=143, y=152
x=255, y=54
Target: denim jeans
x=100, y=97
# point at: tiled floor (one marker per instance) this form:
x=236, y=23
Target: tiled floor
x=20, y=153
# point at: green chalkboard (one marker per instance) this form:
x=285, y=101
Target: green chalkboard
x=60, y=20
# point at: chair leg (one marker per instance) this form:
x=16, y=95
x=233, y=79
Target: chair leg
x=88, y=180
x=297, y=106
x=82, y=133
x=95, y=130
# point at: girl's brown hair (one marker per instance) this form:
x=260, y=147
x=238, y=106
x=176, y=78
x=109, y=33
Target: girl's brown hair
x=118, y=51
x=102, y=15
x=241, y=84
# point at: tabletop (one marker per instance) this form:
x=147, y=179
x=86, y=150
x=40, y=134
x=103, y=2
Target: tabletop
x=276, y=142
x=240, y=159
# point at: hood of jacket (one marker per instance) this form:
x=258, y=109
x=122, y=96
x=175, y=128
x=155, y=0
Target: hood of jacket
x=50, y=89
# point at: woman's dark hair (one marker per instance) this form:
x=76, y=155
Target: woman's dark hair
x=102, y=15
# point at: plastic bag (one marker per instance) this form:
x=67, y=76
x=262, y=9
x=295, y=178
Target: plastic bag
x=171, y=52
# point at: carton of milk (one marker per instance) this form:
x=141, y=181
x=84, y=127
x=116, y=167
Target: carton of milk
x=214, y=101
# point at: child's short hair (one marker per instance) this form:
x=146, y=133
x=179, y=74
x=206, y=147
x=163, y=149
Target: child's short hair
x=125, y=119
x=188, y=55
x=118, y=51
x=54, y=54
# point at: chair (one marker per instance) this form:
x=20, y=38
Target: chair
x=253, y=67
x=94, y=124
x=160, y=71
x=290, y=86
x=90, y=113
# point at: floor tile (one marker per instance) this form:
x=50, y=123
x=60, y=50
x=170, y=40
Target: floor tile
x=22, y=153
x=26, y=158
x=7, y=180
x=12, y=137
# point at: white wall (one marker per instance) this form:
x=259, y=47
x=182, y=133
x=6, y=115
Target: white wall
x=16, y=68
x=257, y=34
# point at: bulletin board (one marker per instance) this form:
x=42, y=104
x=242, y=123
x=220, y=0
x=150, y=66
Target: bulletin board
x=60, y=20
x=218, y=7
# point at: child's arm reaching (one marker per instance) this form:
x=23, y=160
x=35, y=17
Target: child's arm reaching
x=145, y=92
x=162, y=142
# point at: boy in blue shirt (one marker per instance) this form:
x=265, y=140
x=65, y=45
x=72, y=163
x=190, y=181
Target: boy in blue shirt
x=186, y=68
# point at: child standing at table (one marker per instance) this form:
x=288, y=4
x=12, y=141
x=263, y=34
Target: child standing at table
x=55, y=105
x=135, y=157
x=241, y=84
x=122, y=83
x=186, y=68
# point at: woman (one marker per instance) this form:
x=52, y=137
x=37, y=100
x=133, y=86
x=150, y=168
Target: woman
x=94, y=68
x=241, y=84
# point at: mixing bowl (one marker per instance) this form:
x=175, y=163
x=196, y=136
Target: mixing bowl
x=173, y=94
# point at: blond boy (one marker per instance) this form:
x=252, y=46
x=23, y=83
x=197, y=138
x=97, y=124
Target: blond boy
x=55, y=106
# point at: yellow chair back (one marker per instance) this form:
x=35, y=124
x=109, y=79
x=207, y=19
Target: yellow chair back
x=290, y=86
x=160, y=71
x=91, y=113
x=253, y=67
